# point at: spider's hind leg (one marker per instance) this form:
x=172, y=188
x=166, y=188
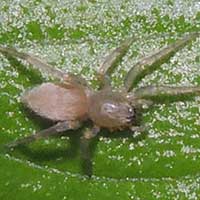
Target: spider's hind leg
x=35, y=61
x=49, y=132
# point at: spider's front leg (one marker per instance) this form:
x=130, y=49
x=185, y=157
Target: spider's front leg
x=49, y=132
x=151, y=62
x=111, y=59
x=86, y=154
x=153, y=91
x=36, y=62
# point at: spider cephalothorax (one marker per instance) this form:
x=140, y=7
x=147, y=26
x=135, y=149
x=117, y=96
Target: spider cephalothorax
x=70, y=101
x=112, y=110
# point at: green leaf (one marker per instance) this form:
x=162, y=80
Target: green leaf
x=75, y=36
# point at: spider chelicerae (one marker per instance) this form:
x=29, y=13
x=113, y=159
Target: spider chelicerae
x=69, y=101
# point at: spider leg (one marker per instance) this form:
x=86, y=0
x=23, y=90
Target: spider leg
x=138, y=128
x=139, y=102
x=111, y=59
x=149, y=63
x=153, y=91
x=36, y=62
x=85, y=145
x=49, y=132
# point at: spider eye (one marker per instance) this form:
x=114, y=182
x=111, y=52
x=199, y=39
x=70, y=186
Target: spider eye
x=109, y=107
x=130, y=110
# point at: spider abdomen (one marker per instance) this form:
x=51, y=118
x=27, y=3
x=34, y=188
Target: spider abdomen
x=57, y=103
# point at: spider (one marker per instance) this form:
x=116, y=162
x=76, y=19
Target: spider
x=69, y=101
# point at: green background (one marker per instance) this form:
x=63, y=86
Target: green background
x=75, y=36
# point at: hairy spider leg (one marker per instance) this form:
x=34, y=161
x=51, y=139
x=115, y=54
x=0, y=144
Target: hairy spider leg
x=151, y=62
x=139, y=103
x=35, y=62
x=140, y=97
x=153, y=91
x=85, y=143
x=116, y=54
x=111, y=59
x=49, y=132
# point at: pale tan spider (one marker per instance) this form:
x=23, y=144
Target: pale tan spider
x=70, y=101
